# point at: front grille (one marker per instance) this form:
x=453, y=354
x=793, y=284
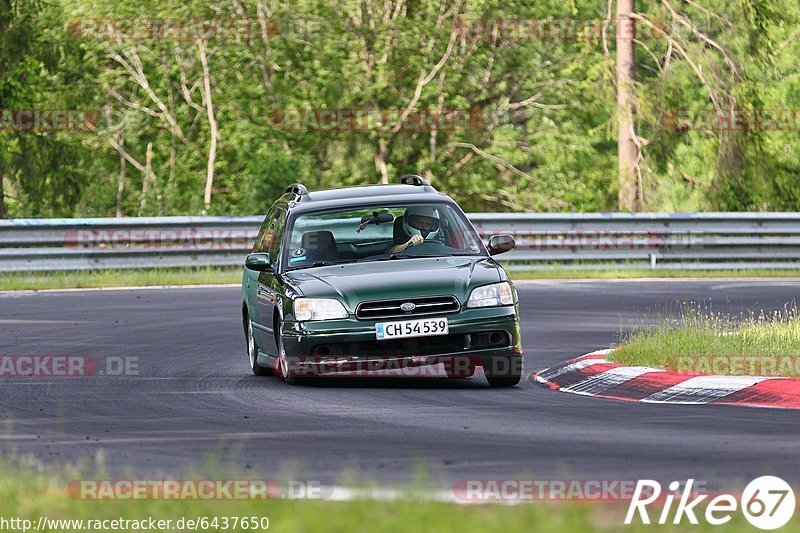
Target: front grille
x=434, y=345
x=427, y=305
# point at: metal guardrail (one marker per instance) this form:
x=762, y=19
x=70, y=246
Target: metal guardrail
x=574, y=240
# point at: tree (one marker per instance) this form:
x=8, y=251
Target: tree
x=626, y=107
x=573, y=121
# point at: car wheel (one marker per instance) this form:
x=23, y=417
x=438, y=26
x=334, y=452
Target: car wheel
x=459, y=367
x=252, y=352
x=288, y=374
x=503, y=371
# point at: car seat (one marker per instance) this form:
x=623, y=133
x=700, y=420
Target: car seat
x=320, y=246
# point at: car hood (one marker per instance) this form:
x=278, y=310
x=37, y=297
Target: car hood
x=382, y=280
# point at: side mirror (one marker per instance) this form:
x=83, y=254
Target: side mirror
x=258, y=261
x=499, y=244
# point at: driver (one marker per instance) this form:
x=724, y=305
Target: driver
x=418, y=222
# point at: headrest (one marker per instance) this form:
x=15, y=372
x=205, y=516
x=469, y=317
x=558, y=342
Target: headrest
x=317, y=240
x=399, y=233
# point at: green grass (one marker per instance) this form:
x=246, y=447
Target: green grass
x=636, y=273
x=205, y=276
x=695, y=338
x=119, y=278
x=29, y=490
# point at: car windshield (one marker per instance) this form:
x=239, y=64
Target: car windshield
x=379, y=233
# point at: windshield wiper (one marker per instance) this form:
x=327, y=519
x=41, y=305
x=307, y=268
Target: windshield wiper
x=403, y=255
x=383, y=258
x=320, y=264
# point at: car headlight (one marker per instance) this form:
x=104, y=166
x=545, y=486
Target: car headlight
x=491, y=295
x=318, y=309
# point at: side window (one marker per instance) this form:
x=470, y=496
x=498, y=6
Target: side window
x=264, y=237
x=277, y=235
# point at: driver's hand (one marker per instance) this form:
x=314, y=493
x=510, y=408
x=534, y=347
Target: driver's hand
x=413, y=241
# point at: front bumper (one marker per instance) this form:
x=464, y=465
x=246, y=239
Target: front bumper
x=479, y=335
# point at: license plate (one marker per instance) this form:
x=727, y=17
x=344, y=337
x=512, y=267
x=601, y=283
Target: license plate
x=424, y=327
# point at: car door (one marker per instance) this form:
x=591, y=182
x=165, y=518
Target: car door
x=268, y=284
x=261, y=331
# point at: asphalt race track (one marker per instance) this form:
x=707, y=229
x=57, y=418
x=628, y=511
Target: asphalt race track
x=194, y=400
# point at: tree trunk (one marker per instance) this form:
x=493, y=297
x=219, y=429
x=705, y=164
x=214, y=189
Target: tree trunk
x=121, y=180
x=2, y=197
x=626, y=144
x=148, y=173
x=212, y=123
x=380, y=161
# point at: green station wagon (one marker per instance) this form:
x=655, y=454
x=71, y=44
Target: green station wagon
x=373, y=278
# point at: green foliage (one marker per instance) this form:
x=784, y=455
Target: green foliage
x=545, y=139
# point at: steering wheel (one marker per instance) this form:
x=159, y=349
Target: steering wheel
x=427, y=246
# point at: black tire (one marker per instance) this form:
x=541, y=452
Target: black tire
x=252, y=350
x=288, y=374
x=503, y=371
x=459, y=367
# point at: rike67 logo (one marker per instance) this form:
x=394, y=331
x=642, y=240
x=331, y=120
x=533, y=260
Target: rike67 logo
x=767, y=502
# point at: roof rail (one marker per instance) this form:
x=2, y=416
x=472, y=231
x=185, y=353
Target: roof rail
x=413, y=179
x=298, y=189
